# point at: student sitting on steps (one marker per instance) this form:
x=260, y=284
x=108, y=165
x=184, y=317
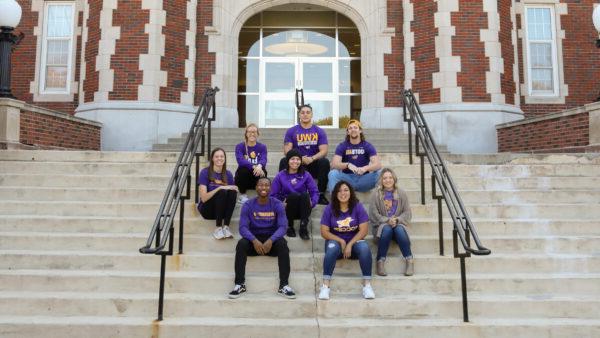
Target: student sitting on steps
x=296, y=188
x=389, y=215
x=262, y=226
x=251, y=157
x=344, y=226
x=217, y=193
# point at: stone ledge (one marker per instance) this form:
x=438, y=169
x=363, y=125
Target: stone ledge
x=49, y=112
x=573, y=111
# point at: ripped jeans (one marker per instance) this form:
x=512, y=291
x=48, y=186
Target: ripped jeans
x=360, y=251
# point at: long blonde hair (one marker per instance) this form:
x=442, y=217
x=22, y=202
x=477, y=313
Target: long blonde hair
x=380, y=187
x=246, y=131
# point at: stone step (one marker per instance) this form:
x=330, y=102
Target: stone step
x=95, y=224
x=399, y=148
x=98, y=168
x=275, y=306
x=194, y=260
x=87, y=156
x=155, y=195
x=532, y=284
x=419, y=244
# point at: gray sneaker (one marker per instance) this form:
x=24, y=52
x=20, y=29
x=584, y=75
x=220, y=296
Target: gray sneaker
x=410, y=267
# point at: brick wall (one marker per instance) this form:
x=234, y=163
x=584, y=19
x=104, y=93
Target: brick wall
x=468, y=21
x=507, y=80
x=549, y=135
x=205, y=61
x=394, y=62
x=423, y=54
x=51, y=130
x=90, y=84
x=176, y=50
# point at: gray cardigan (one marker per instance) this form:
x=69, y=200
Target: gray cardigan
x=378, y=215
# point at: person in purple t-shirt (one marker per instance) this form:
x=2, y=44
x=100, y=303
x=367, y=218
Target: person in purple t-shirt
x=251, y=157
x=262, y=226
x=296, y=188
x=344, y=225
x=311, y=141
x=355, y=160
x=217, y=194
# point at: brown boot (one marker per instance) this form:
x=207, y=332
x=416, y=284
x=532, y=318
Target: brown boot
x=381, y=268
x=410, y=267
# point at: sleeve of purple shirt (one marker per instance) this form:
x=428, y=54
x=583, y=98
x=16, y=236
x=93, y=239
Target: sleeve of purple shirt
x=326, y=218
x=203, y=177
x=312, y=189
x=339, y=150
x=322, y=137
x=289, y=136
x=245, y=222
x=361, y=213
x=276, y=188
x=239, y=156
x=263, y=157
x=371, y=150
x=282, y=222
x=230, y=180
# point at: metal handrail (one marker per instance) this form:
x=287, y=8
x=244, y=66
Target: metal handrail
x=160, y=240
x=463, y=226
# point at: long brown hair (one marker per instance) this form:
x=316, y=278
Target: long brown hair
x=357, y=122
x=335, y=202
x=211, y=164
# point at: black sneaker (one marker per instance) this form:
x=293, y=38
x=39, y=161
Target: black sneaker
x=291, y=232
x=287, y=292
x=304, y=230
x=237, y=291
x=322, y=199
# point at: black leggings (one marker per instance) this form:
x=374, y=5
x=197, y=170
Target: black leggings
x=279, y=249
x=219, y=207
x=245, y=179
x=297, y=207
x=318, y=169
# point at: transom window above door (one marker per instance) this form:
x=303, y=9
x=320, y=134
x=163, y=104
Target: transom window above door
x=283, y=49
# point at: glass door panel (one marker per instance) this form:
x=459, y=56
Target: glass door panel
x=278, y=85
x=280, y=77
x=280, y=113
x=317, y=77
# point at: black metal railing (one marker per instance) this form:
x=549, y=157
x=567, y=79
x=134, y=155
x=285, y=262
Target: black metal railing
x=463, y=227
x=160, y=240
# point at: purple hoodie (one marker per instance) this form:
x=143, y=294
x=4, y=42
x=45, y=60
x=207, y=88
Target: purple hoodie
x=285, y=184
x=263, y=219
x=251, y=155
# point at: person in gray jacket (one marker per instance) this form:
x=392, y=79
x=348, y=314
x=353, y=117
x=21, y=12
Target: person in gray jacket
x=389, y=216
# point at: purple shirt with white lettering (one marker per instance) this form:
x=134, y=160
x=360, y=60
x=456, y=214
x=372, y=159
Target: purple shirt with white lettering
x=307, y=141
x=285, y=184
x=346, y=224
x=251, y=155
x=263, y=219
x=357, y=154
x=215, y=181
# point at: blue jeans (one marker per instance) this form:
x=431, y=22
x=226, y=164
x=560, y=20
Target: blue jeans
x=400, y=236
x=360, y=183
x=360, y=251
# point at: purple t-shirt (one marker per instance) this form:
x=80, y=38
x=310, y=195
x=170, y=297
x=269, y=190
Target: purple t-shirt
x=213, y=182
x=251, y=155
x=285, y=184
x=307, y=141
x=346, y=224
x=391, y=204
x=357, y=154
x=263, y=219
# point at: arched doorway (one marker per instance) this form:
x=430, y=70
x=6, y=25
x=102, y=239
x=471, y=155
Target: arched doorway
x=282, y=49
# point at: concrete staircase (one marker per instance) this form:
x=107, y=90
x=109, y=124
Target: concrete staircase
x=71, y=224
x=384, y=140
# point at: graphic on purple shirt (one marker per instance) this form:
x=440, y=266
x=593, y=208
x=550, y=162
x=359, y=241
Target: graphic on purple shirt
x=251, y=155
x=215, y=181
x=346, y=224
x=307, y=141
x=285, y=184
x=263, y=219
x=357, y=154
x=391, y=204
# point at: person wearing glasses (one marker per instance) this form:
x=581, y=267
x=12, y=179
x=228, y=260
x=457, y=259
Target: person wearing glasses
x=311, y=142
x=251, y=157
x=355, y=160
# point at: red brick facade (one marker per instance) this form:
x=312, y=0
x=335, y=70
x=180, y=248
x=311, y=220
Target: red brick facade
x=508, y=85
x=205, y=61
x=550, y=135
x=423, y=53
x=90, y=84
x=394, y=62
x=48, y=131
x=176, y=53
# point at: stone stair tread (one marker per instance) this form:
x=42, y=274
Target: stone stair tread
x=473, y=321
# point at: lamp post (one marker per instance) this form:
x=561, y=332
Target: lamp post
x=10, y=16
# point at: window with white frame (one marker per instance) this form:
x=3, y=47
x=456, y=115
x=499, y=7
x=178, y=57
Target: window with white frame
x=57, y=47
x=541, y=51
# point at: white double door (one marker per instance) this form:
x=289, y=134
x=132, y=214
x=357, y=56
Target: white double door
x=279, y=78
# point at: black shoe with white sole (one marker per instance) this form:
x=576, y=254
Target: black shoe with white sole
x=287, y=292
x=237, y=291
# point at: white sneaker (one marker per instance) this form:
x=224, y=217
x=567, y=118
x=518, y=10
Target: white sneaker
x=324, y=293
x=243, y=198
x=218, y=234
x=368, y=292
x=226, y=232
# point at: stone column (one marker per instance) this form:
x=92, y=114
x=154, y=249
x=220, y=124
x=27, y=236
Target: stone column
x=594, y=123
x=10, y=111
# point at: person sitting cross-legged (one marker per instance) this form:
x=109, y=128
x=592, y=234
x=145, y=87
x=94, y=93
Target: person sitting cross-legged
x=355, y=160
x=263, y=224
